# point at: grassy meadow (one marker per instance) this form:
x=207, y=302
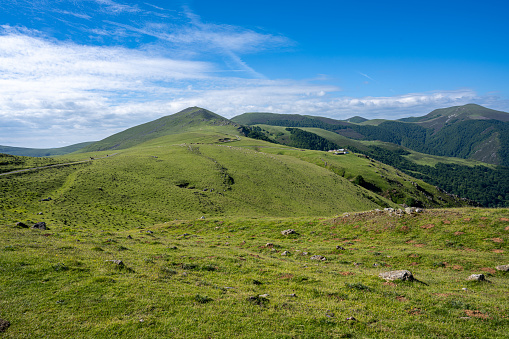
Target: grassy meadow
x=228, y=277
x=196, y=223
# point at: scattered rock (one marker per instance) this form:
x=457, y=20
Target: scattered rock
x=403, y=275
x=263, y=295
x=4, y=325
x=202, y=217
x=22, y=225
x=351, y=319
x=340, y=248
x=129, y=237
x=40, y=226
x=285, y=253
x=40, y=213
x=477, y=277
x=503, y=268
x=46, y=199
x=288, y=231
x=318, y=257
x=269, y=244
x=293, y=295
x=117, y=262
x=150, y=232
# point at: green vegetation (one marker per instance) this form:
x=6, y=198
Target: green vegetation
x=227, y=277
x=179, y=236
x=40, y=152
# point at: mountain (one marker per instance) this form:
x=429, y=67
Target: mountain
x=46, y=152
x=191, y=118
x=468, y=132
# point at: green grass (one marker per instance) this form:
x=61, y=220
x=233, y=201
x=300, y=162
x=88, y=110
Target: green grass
x=207, y=278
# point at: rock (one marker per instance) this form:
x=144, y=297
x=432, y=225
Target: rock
x=129, y=237
x=293, y=295
x=4, y=325
x=22, y=225
x=40, y=226
x=150, y=232
x=269, y=244
x=477, y=277
x=288, y=231
x=318, y=257
x=403, y=275
x=46, y=199
x=202, y=217
x=263, y=295
x=340, y=248
x=117, y=262
x=285, y=253
x=503, y=268
x=351, y=319
x=40, y=213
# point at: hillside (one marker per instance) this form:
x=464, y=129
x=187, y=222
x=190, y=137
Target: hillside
x=43, y=152
x=467, y=132
x=191, y=118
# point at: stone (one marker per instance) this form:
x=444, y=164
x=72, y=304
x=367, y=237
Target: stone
x=477, y=277
x=117, y=262
x=503, y=268
x=285, y=253
x=4, y=325
x=340, y=248
x=129, y=237
x=40, y=226
x=269, y=244
x=351, y=319
x=318, y=257
x=403, y=275
x=22, y=225
x=288, y=231
x=46, y=199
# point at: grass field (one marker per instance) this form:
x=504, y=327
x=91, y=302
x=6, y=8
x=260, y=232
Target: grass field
x=222, y=278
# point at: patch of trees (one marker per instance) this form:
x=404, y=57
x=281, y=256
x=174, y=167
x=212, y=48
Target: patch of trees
x=487, y=186
x=308, y=140
x=254, y=132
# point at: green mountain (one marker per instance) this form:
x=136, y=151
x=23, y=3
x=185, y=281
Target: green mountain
x=192, y=118
x=468, y=132
x=40, y=152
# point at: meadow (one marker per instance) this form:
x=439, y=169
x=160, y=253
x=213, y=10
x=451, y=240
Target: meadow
x=240, y=277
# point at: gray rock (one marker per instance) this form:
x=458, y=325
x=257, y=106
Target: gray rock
x=477, y=277
x=40, y=226
x=117, y=262
x=403, y=275
x=288, y=231
x=269, y=244
x=22, y=225
x=285, y=253
x=340, y=248
x=503, y=268
x=318, y=257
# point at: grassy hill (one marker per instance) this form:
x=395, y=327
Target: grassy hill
x=43, y=152
x=468, y=132
x=192, y=118
x=176, y=232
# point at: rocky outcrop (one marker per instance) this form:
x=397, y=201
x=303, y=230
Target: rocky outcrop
x=403, y=275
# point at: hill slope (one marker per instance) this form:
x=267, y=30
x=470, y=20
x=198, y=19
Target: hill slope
x=189, y=119
x=43, y=152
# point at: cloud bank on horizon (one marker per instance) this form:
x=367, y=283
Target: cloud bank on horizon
x=80, y=71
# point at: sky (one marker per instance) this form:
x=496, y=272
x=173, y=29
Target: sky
x=80, y=70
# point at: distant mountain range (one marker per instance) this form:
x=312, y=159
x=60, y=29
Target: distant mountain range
x=469, y=132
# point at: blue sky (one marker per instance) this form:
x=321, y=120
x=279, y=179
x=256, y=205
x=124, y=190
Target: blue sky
x=73, y=71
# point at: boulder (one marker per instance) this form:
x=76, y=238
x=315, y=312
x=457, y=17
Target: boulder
x=503, y=268
x=288, y=231
x=403, y=275
x=285, y=253
x=21, y=225
x=40, y=226
x=477, y=277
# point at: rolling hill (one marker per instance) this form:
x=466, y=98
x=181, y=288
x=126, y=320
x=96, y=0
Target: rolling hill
x=43, y=152
x=468, y=132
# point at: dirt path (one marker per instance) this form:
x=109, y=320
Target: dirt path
x=56, y=165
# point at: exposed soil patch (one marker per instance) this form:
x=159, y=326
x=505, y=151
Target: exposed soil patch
x=476, y=314
x=504, y=219
x=467, y=219
x=457, y=267
x=459, y=233
x=346, y=273
x=489, y=270
x=507, y=228
x=419, y=245
x=498, y=251
x=389, y=283
x=427, y=227
x=414, y=311
x=498, y=240
x=469, y=249
x=446, y=222
x=401, y=298
x=414, y=264
x=286, y=276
